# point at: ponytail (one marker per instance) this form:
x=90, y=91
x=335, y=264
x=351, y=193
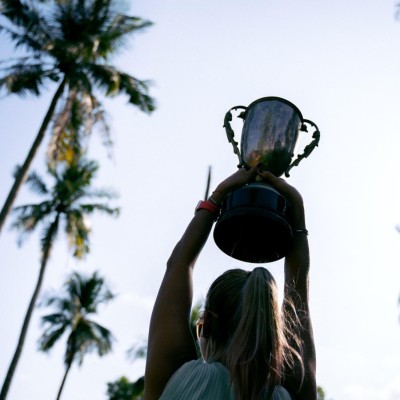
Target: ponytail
x=249, y=335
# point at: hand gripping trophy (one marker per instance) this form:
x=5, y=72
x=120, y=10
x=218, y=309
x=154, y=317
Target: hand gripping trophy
x=254, y=225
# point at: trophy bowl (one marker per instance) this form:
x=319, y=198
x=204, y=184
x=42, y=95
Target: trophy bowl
x=255, y=223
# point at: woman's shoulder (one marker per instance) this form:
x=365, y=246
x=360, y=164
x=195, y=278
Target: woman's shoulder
x=199, y=380
x=280, y=393
x=206, y=380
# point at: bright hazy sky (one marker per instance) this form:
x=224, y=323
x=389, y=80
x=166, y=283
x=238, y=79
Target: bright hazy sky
x=339, y=62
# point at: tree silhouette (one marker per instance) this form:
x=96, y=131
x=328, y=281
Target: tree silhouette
x=80, y=298
x=69, y=42
x=123, y=389
x=66, y=206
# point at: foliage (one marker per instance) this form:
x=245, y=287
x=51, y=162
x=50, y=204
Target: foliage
x=71, y=42
x=321, y=395
x=68, y=200
x=80, y=298
x=137, y=351
x=66, y=205
x=123, y=389
x=194, y=316
x=72, y=39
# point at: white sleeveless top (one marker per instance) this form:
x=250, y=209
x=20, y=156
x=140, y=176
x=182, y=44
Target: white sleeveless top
x=198, y=380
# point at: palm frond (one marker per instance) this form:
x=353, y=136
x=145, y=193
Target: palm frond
x=72, y=180
x=99, y=120
x=114, y=37
x=51, y=335
x=123, y=24
x=37, y=184
x=18, y=12
x=88, y=336
x=137, y=92
x=48, y=235
x=6, y=65
x=94, y=292
x=81, y=295
x=77, y=28
x=31, y=22
x=106, y=78
x=104, y=338
x=60, y=145
x=28, y=216
x=90, y=208
x=96, y=116
x=74, y=123
x=85, y=111
x=78, y=229
x=137, y=351
x=58, y=318
x=26, y=78
x=108, y=194
x=114, y=82
x=60, y=303
x=73, y=292
x=24, y=39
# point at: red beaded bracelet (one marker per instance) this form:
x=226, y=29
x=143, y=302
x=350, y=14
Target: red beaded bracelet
x=207, y=205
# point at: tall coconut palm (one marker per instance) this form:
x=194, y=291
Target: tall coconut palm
x=69, y=42
x=66, y=206
x=80, y=298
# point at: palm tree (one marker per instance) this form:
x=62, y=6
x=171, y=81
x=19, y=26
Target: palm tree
x=65, y=206
x=80, y=298
x=69, y=42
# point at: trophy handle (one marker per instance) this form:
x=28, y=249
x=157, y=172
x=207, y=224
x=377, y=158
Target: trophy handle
x=309, y=148
x=231, y=134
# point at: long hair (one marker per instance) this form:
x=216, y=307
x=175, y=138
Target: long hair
x=248, y=333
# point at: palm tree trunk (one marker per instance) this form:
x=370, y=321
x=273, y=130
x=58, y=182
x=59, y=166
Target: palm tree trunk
x=23, y=170
x=65, y=377
x=28, y=315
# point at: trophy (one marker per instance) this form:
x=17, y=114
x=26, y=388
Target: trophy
x=254, y=224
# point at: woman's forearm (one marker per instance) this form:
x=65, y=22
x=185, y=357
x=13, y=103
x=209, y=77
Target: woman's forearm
x=195, y=236
x=297, y=265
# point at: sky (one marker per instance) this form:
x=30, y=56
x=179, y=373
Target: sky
x=339, y=63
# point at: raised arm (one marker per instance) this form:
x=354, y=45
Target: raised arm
x=297, y=266
x=170, y=342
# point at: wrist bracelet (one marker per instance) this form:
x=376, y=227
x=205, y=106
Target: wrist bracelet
x=207, y=205
x=300, y=230
x=213, y=201
x=211, y=198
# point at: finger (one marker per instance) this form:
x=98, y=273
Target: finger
x=277, y=183
x=247, y=173
x=281, y=186
x=270, y=178
x=253, y=171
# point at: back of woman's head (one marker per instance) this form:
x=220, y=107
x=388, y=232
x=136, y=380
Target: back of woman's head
x=247, y=332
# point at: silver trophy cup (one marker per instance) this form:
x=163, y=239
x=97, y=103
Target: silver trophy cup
x=255, y=221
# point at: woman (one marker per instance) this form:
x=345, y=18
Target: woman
x=250, y=349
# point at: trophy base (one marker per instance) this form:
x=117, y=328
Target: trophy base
x=254, y=224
